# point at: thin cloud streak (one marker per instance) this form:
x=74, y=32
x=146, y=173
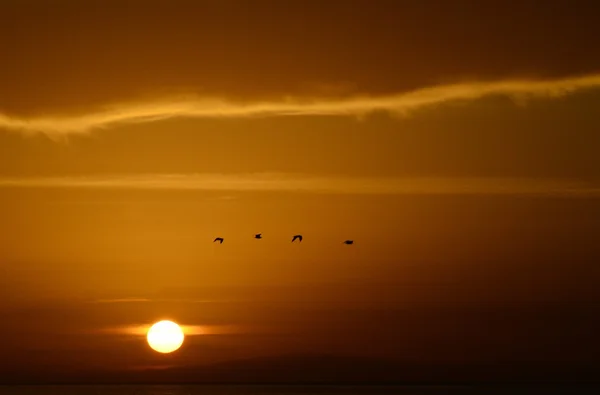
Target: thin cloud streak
x=159, y=300
x=287, y=182
x=123, y=300
x=197, y=107
x=188, y=330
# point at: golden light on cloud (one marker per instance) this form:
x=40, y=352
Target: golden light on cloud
x=314, y=184
x=200, y=107
x=188, y=330
x=165, y=337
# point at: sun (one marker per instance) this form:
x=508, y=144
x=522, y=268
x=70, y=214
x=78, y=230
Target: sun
x=165, y=337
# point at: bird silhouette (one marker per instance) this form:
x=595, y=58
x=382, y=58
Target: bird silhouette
x=258, y=236
x=219, y=239
x=349, y=242
x=299, y=237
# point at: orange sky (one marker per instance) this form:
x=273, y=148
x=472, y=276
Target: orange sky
x=455, y=143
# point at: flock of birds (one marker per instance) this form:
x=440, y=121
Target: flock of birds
x=296, y=237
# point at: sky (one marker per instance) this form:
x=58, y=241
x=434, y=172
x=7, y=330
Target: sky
x=455, y=142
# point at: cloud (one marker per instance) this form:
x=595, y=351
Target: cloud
x=199, y=107
x=312, y=184
x=147, y=300
x=188, y=330
x=123, y=300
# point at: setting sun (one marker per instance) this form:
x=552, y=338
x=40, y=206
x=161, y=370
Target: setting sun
x=165, y=337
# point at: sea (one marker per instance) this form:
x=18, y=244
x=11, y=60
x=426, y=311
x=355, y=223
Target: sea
x=287, y=390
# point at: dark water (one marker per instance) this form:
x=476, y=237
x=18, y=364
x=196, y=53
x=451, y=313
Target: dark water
x=285, y=390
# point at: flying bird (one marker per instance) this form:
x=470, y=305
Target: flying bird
x=219, y=239
x=258, y=236
x=299, y=237
x=349, y=242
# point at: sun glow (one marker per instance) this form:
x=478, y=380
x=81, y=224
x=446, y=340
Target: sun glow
x=165, y=337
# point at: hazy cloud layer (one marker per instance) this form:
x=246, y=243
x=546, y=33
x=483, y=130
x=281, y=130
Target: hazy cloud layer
x=314, y=184
x=147, y=300
x=188, y=330
x=197, y=107
x=123, y=300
